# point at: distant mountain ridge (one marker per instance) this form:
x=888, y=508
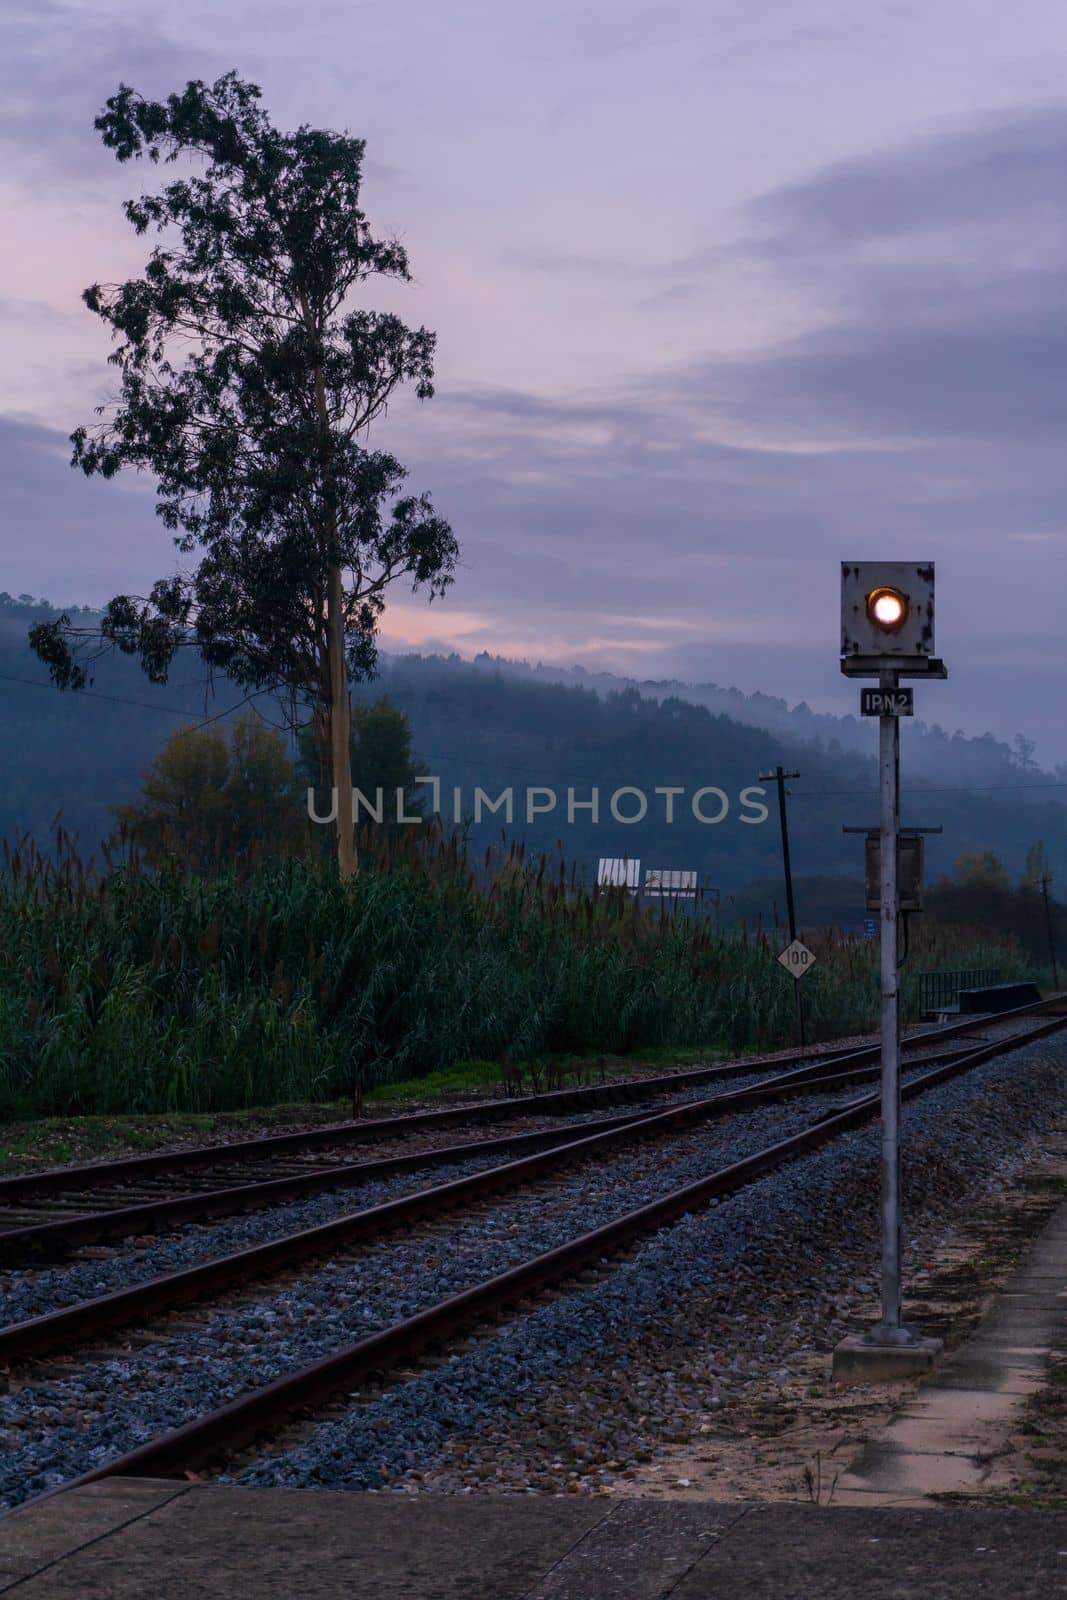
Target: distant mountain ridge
x=498, y=725
x=933, y=753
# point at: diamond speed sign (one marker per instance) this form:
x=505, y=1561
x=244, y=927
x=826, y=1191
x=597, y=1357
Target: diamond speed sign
x=797, y=959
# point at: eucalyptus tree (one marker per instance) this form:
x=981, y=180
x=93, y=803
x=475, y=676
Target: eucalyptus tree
x=248, y=381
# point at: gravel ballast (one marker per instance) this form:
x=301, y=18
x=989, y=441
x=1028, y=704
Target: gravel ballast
x=576, y=1394
x=34, y=1291
x=811, y=1216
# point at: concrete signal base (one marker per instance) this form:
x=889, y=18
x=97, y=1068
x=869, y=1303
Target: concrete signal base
x=859, y=1359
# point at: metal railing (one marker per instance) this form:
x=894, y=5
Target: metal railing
x=940, y=991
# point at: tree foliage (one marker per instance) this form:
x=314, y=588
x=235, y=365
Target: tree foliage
x=382, y=760
x=247, y=382
x=981, y=869
x=208, y=799
x=1036, y=868
x=982, y=897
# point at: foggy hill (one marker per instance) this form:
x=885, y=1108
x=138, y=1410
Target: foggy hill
x=498, y=725
x=933, y=753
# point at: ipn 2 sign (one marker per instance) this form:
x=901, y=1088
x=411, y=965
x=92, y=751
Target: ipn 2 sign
x=887, y=702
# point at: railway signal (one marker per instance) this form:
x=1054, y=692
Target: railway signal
x=887, y=633
x=887, y=608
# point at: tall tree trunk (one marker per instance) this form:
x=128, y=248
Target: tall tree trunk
x=340, y=709
x=340, y=729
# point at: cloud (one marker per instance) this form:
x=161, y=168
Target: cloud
x=998, y=170
x=922, y=414
x=60, y=63
x=976, y=378
x=70, y=539
x=945, y=259
x=573, y=263
x=591, y=33
x=693, y=511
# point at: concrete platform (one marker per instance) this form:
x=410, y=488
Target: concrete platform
x=132, y=1539
x=950, y=1438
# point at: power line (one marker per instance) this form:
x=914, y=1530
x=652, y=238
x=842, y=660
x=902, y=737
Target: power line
x=143, y=705
x=958, y=788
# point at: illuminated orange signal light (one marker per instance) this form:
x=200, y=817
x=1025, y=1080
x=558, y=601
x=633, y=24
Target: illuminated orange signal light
x=887, y=608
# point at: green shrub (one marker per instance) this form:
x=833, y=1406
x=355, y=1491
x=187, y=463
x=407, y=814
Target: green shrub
x=136, y=991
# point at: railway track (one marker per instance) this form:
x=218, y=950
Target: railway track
x=45, y=1211
x=70, y=1325
x=229, y=1427
x=47, y=1214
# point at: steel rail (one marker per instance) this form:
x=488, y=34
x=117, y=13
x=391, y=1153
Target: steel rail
x=220, y=1432
x=23, y=1186
x=50, y=1238
x=69, y=1325
x=37, y=1239
x=53, y=1180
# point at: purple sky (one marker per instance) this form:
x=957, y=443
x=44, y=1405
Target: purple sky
x=724, y=293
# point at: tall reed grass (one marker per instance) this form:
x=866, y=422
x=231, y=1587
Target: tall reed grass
x=123, y=990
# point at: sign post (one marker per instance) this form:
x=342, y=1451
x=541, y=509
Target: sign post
x=779, y=777
x=887, y=632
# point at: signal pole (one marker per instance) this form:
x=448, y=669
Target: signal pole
x=779, y=777
x=887, y=633
x=889, y=771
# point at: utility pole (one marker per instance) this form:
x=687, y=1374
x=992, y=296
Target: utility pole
x=779, y=777
x=1045, y=881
